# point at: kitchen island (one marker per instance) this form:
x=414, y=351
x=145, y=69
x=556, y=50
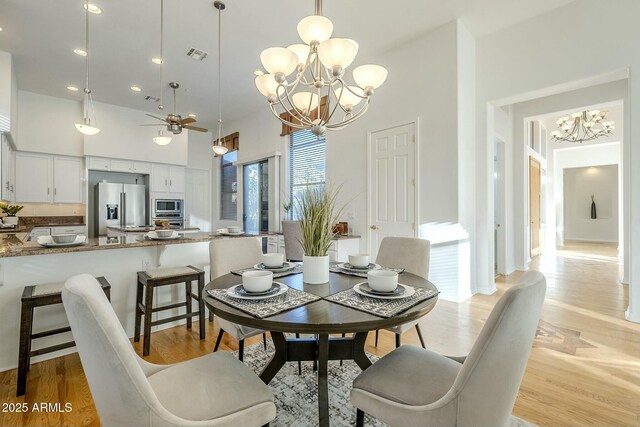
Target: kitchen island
x=118, y=259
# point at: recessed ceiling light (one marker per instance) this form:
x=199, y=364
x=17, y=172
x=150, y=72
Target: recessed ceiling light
x=192, y=115
x=1, y=29
x=80, y=52
x=258, y=73
x=93, y=8
x=73, y=88
x=135, y=88
x=156, y=60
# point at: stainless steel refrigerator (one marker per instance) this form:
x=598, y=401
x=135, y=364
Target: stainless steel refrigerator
x=119, y=205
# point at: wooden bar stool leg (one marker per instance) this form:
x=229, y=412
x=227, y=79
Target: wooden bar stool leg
x=420, y=336
x=148, y=309
x=139, y=293
x=201, y=306
x=26, y=324
x=219, y=340
x=187, y=287
x=241, y=350
x=397, y=340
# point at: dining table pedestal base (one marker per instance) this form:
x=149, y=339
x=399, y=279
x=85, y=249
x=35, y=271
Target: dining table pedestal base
x=320, y=349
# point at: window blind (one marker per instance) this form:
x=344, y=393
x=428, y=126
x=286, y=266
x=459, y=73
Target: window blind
x=229, y=187
x=307, y=162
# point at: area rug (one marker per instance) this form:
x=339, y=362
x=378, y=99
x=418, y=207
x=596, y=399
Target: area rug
x=296, y=395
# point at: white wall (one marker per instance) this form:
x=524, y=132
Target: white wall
x=46, y=125
x=122, y=137
x=579, y=185
x=523, y=61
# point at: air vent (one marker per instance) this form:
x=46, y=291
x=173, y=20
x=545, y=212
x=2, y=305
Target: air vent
x=152, y=98
x=196, y=54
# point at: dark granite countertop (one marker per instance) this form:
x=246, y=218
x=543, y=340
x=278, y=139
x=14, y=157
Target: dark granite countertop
x=13, y=245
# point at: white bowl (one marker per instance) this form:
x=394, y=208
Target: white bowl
x=164, y=233
x=257, y=281
x=382, y=280
x=359, y=260
x=233, y=229
x=64, y=238
x=273, y=260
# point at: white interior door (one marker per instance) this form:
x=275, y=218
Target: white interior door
x=197, y=200
x=392, y=175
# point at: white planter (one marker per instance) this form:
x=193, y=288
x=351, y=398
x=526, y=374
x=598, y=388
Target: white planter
x=315, y=269
x=10, y=220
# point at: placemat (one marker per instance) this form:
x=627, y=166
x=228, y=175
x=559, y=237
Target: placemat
x=296, y=270
x=381, y=307
x=293, y=298
x=335, y=269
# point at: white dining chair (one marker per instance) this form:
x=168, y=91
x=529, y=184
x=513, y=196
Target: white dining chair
x=226, y=255
x=412, y=255
x=292, y=235
x=214, y=390
x=411, y=386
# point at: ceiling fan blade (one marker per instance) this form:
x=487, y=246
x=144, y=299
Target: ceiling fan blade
x=156, y=117
x=197, y=129
x=187, y=120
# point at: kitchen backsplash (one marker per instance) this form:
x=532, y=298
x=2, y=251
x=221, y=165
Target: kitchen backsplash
x=47, y=209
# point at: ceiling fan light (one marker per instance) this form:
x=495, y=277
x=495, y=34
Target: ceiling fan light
x=370, y=76
x=315, y=28
x=161, y=139
x=87, y=129
x=337, y=52
x=305, y=101
x=302, y=52
x=279, y=60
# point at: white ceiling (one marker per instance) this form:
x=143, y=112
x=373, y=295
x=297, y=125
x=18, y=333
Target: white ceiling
x=42, y=35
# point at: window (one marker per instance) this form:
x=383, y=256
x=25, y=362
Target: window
x=229, y=187
x=307, y=162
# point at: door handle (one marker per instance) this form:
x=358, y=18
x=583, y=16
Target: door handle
x=373, y=227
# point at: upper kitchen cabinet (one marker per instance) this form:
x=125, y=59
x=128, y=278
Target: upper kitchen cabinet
x=8, y=169
x=41, y=178
x=118, y=165
x=122, y=137
x=8, y=96
x=167, y=179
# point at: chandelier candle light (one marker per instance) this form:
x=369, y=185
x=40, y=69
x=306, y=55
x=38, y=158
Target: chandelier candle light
x=217, y=145
x=85, y=127
x=582, y=126
x=320, y=64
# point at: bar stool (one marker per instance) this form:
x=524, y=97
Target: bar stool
x=40, y=296
x=151, y=279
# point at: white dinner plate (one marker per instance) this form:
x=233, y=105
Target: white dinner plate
x=47, y=241
x=343, y=266
x=408, y=291
x=287, y=266
x=154, y=236
x=231, y=292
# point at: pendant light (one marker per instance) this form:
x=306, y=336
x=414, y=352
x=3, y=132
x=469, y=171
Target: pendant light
x=217, y=145
x=85, y=127
x=161, y=139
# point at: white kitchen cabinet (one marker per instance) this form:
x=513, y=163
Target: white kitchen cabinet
x=176, y=179
x=97, y=163
x=33, y=178
x=120, y=165
x=7, y=164
x=41, y=178
x=67, y=180
x=167, y=179
x=160, y=178
x=141, y=167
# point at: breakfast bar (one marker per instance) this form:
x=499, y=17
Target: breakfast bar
x=24, y=262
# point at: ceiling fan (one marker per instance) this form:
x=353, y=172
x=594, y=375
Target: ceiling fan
x=174, y=121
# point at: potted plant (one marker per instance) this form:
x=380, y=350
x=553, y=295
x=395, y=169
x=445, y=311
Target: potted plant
x=11, y=211
x=318, y=213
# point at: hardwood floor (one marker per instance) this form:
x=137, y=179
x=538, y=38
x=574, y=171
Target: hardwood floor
x=583, y=370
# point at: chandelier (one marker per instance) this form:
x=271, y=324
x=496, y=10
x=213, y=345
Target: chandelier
x=318, y=97
x=582, y=126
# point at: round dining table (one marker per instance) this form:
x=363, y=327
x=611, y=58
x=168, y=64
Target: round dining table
x=320, y=318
